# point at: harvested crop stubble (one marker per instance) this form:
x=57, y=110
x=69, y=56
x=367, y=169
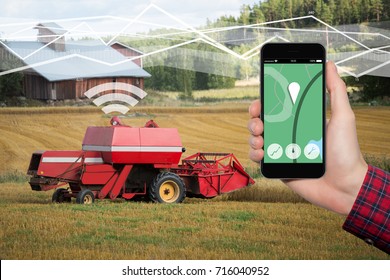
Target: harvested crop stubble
x=265, y=221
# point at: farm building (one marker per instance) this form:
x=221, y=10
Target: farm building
x=55, y=69
x=128, y=52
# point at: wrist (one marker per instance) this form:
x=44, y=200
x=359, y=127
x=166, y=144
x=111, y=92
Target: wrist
x=359, y=177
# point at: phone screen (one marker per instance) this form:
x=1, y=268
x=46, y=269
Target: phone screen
x=293, y=115
x=293, y=111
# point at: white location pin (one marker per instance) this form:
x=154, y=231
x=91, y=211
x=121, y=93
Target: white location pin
x=293, y=89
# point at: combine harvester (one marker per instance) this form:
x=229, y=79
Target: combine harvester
x=126, y=162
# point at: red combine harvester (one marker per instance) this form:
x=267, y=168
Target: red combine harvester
x=128, y=162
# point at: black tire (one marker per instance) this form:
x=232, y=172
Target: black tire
x=167, y=187
x=60, y=196
x=85, y=197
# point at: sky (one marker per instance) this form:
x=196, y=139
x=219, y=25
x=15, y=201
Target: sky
x=194, y=12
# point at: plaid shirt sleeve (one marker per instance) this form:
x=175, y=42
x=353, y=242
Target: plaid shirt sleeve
x=369, y=218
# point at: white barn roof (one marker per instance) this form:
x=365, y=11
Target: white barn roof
x=81, y=59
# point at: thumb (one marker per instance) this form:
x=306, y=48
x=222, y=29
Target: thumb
x=338, y=92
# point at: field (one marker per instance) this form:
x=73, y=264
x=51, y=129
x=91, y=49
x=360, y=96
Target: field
x=265, y=221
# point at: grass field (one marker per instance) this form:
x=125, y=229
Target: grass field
x=265, y=221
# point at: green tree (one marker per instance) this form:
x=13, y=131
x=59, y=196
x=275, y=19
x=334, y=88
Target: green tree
x=256, y=15
x=374, y=87
x=309, y=6
x=376, y=9
x=386, y=9
x=365, y=9
x=326, y=14
x=185, y=83
x=245, y=70
x=355, y=11
x=244, y=18
x=343, y=12
x=298, y=8
x=11, y=85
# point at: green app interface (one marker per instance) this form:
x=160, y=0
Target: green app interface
x=293, y=112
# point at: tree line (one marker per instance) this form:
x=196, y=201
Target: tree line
x=334, y=12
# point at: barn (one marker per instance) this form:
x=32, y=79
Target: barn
x=56, y=69
x=128, y=52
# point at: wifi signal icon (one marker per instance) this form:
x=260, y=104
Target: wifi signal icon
x=112, y=95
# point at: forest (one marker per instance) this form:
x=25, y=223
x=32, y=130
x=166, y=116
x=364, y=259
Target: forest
x=361, y=13
x=333, y=12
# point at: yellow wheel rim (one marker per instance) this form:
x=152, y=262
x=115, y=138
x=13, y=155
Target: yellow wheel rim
x=169, y=191
x=88, y=199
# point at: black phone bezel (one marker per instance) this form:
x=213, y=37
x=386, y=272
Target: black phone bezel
x=293, y=51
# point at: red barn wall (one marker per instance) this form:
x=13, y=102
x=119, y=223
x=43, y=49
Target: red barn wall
x=129, y=53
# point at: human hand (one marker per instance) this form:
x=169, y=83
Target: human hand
x=345, y=166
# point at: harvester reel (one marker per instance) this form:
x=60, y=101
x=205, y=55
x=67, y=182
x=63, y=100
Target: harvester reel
x=167, y=187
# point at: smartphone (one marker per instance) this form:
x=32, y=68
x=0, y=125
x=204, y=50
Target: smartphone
x=293, y=110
